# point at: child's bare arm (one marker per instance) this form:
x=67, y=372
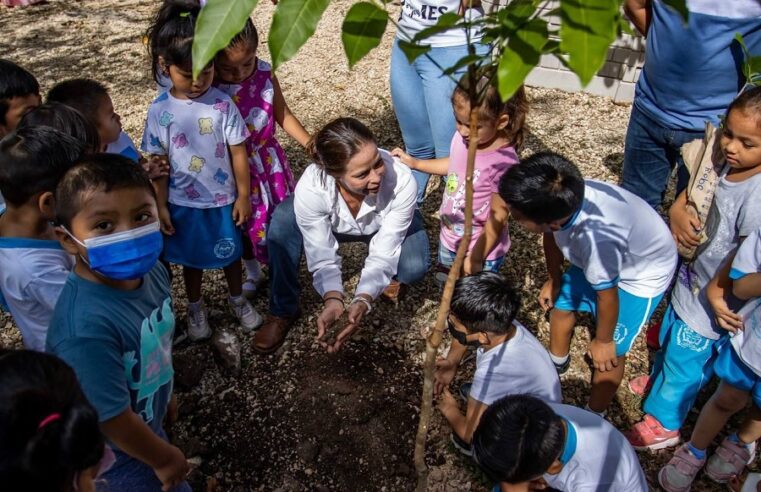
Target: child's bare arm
x=242, y=207
x=717, y=291
x=439, y=167
x=602, y=348
x=285, y=118
x=462, y=425
x=639, y=12
x=684, y=225
x=161, y=185
x=446, y=368
x=747, y=287
x=497, y=222
x=554, y=259
x=134, y=437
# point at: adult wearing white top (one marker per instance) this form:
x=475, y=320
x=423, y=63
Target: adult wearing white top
x=352, y=192
x=420, y=92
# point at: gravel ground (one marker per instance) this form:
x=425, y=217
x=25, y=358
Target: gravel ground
x=299, y=419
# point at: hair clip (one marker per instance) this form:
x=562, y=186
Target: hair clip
x=50, y=418
x=184, y=14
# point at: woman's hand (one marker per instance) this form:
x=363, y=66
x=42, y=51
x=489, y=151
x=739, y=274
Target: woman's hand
x=241, y=210
x=331, y=312
x=357, y=311
x=406, y=159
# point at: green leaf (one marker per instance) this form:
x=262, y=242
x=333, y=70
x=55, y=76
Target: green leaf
x=448, y=21
x=516, y=13
x=293, y=24
x=680, y=6
x=218, y=23
x=362, y=30
x=520, y=55
x=413, y=50
x=751, y=64
x=624, y=26
x=586, y=30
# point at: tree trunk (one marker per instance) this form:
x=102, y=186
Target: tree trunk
x=434, y=339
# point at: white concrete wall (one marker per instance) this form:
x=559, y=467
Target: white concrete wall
x=615, y=79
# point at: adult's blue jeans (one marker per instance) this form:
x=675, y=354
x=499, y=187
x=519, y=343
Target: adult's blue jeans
x=650, y=154
x=285, y=246
x=422, y=98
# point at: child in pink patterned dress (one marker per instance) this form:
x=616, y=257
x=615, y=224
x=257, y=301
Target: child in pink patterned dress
x=253, y=87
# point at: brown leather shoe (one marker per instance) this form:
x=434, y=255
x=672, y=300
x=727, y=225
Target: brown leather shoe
x=272, y=333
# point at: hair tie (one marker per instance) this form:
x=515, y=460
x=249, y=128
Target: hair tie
x=184, y=14
x=50, y=418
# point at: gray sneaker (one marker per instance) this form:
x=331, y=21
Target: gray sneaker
x=198, y=323
x=729, y=460
x=247, y=316
x=680, y=471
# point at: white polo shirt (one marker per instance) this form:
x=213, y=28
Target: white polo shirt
x=321, y=212
x=617, y=239
x=747, y=343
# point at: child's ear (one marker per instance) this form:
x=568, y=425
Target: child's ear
x=67, y=243
x=483, y=338
x=46, y=204
x=555, y=467
x=503, y=121
x=163, y=66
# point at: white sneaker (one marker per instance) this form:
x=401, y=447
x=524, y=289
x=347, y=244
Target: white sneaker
x=253, y=278
x=198, y=323
x=249, y=288
x=247, y=316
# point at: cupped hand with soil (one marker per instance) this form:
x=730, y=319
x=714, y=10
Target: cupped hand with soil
x=331, y=315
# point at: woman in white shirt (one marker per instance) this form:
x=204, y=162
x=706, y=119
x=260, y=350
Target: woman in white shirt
x=352, y=192
x=420, y=92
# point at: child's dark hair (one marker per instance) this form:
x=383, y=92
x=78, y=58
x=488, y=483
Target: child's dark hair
x=337, y=142
x=15, y=81
x=518, y=439
x=485, y=301
x=48, y=430
x=516, y=108
x=84, y=95
x=64, y=119
x=544, y=187
x=247, y=36
x=749, y=102
x=34, y=160
x=170, y=35
x=99, y=172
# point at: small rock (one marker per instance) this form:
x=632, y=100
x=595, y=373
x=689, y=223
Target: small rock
x=308, y=451
x=227, y=348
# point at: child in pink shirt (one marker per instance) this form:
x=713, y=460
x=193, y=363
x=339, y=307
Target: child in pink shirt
x=500, y=133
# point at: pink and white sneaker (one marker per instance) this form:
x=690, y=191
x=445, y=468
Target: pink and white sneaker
x=729, y=460
x=650, y=434
x=680, y=471
x=640, y=385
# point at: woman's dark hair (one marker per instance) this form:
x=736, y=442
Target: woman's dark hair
x=337, y=142
x=518, y=439
x=37, y=388
x=65, y=119
x=99, y=172
x=170, y=35
x=247, y=36
x=544, y=187
x=749, y=101
x=486, y=302
x=516, y=108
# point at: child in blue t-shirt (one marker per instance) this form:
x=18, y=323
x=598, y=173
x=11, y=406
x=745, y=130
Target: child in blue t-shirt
x=205, y=200
x=34, y=266
x=113, y=323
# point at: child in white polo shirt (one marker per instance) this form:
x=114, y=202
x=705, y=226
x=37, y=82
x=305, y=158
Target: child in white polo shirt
x=509, y=360
x=739, y=368
x=621, y=253
x=523, y=443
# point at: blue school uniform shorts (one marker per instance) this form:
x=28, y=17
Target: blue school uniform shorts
x=204, y=238
x=577, y=294
x=733, y=371
x=446, y=258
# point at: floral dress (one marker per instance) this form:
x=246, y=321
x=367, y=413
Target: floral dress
x=271, y=177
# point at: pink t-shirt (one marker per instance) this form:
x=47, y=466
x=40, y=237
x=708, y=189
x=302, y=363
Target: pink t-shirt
x=490, y=166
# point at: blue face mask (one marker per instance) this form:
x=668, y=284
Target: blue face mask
x=126, y=255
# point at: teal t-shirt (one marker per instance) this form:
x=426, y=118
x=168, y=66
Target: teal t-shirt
x=119, y=343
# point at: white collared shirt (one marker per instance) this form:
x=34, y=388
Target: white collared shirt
x=321, y=212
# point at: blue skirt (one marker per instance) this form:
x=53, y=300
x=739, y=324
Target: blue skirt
x=204, y=238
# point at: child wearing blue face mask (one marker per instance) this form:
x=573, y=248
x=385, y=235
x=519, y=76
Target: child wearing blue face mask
x=113, y=323
x=33, y=266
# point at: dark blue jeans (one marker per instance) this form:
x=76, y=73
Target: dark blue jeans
x=285, y=246
x=650, y=154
